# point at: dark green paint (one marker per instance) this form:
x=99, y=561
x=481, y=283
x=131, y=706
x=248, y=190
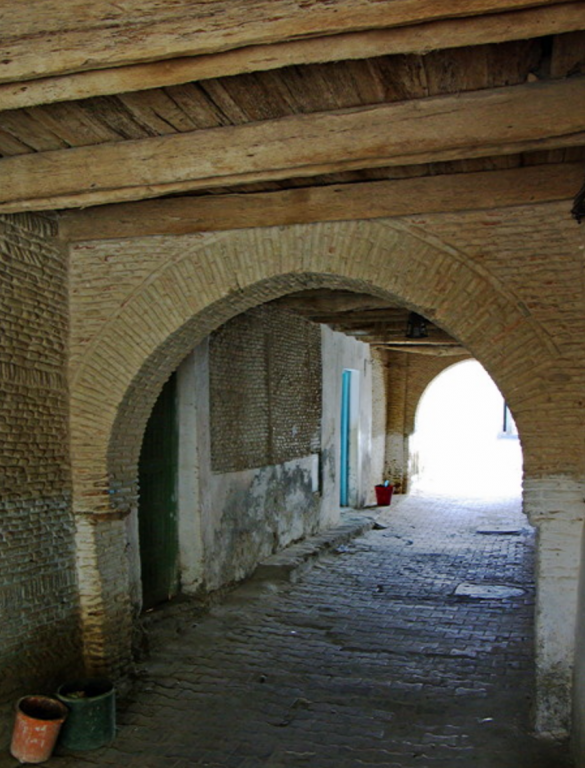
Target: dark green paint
x=157, y=517
x=91, y=722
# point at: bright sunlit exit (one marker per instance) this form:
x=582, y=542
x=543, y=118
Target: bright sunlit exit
x=465, y=440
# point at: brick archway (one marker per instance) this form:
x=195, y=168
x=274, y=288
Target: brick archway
x=199, y=282
x=168, y=293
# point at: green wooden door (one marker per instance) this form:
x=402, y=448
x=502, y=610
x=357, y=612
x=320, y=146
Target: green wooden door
x=157, y=514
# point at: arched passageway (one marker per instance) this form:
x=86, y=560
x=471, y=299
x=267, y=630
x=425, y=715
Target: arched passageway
x=166, y=302
x=241, y=455
x=465, y=441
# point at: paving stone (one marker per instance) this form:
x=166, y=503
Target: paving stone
x=487, y=591
x=329, y=669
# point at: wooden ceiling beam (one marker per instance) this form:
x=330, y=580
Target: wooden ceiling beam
x=417, y=39
x=389, y=317
x=436, y=350
x=379, y=330
x=41, y=38
x=483, y=123
x=398, y=337
x=313, y=300
x=367, y=200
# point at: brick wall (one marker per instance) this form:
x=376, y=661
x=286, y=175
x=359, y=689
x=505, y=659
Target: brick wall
x=273, y=414
x=537, y=255
x=165, y=294
x=396, y=451
x=39, y=643
x=139, y=306
x=508, y=284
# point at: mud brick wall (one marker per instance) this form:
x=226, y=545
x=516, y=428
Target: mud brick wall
x=38, y=595
x=265, y=376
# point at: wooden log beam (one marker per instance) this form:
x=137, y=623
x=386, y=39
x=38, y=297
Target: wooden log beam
x=436, y=350
x=475, y=124
x=49, y=37
x=390, y=317
x=383, y=331
x=418, y=39
x=367, y=200
x=397, y=337
x=312, y=300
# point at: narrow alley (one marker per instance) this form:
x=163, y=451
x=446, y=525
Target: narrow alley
x=408, y=647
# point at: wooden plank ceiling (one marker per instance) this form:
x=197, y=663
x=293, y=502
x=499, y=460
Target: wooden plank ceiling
x=370, y=319
x=217, y=114
x=261, y=96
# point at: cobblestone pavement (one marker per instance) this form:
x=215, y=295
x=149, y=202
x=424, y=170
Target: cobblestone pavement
x=370, y=659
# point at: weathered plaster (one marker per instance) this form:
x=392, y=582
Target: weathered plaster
x=230, y=521
x=190, y=401
x=555, y=505
x=341, y=353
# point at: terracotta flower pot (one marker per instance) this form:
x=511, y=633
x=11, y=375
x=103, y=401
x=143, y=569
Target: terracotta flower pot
x=36, y=728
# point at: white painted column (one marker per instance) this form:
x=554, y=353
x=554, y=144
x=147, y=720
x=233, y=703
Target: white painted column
x=191, y=559
x=354, y=447
x=578, y=730
x=555, y=506
x=104, y=593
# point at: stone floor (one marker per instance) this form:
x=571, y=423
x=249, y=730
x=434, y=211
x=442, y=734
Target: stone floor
x=374, y=657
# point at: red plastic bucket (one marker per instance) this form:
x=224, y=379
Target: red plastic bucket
x=36, y=728
x=383, y=495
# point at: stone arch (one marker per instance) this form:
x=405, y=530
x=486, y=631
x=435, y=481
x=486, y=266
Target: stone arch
x=187, y=286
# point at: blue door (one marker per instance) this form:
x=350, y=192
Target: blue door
x=345, y=414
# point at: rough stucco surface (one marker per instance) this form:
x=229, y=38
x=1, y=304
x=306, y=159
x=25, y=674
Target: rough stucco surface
x=249, y=515
x=38, y=594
